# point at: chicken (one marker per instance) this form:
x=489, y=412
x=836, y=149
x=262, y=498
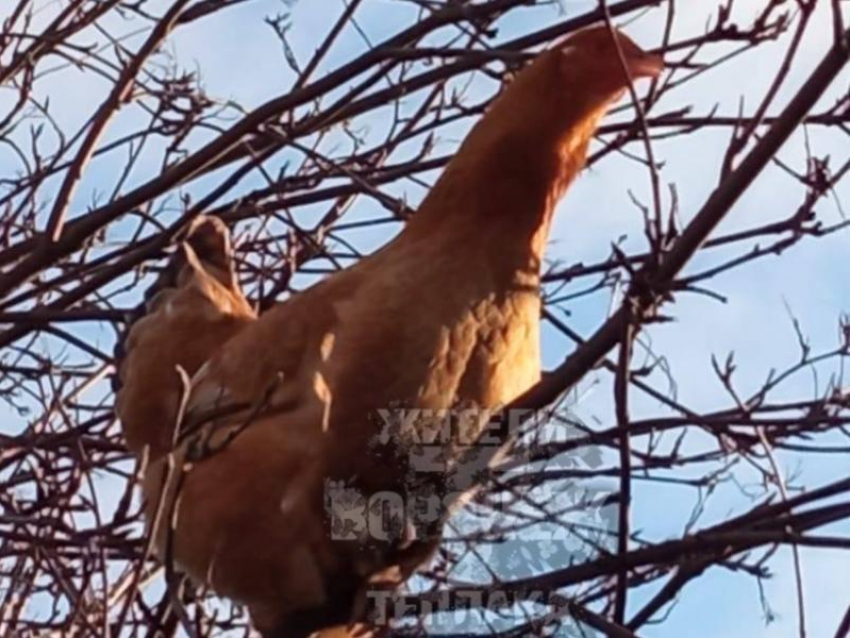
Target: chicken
x=284, y=410
x=194, y=307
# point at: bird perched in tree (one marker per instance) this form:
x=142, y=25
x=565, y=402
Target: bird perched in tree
x=270, y=411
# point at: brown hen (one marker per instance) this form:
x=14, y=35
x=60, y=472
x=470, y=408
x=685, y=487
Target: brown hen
x=447, y=314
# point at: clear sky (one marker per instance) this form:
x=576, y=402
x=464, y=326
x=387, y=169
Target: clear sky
x=240, y=59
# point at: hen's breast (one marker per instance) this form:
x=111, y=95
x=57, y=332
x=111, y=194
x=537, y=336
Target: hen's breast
x=435, y=334
x=486, y=356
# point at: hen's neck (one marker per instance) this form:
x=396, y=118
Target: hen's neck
x=499, y=192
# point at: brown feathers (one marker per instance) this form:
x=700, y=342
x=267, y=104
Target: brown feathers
x=445, y=315
x=191, y=311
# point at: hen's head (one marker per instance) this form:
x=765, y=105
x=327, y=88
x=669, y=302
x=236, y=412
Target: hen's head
x=580, y=76
x=591, y=58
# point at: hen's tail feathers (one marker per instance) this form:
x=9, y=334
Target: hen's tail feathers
x=205, y=248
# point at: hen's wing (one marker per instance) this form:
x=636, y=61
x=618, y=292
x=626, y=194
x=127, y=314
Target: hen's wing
x=245, y=508
x=195, y=306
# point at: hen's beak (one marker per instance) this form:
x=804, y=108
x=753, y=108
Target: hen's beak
x=648, y=65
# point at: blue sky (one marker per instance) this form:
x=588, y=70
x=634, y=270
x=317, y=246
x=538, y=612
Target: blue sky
x=240, y=60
